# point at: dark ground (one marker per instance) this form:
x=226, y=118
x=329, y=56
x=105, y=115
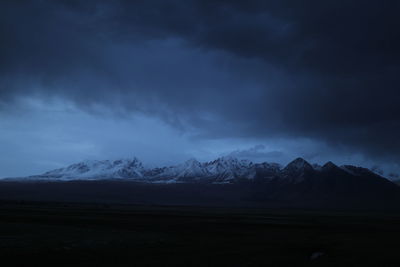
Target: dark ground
x=69, y=224
x=211, y=195
x=62, y=234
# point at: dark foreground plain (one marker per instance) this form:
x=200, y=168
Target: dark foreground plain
x=123, y=224
x=65, y=234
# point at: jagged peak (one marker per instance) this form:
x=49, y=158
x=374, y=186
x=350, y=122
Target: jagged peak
x=228, y=167
x=226, y=158
x=100, y=167
x=299, y=164
x=329, y=166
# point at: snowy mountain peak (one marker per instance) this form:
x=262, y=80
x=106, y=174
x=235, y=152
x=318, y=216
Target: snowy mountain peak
x=230, y=162
x=229, y=168
x=190, y=168
x=122, y=168
x=226, y=169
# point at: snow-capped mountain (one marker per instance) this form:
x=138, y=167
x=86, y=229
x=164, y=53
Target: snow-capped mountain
x=94, y=169
x=222, y=170
x=228, y=168
x=189, y=169
x=299, y=183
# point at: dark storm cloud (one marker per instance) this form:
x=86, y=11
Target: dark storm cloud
x=259, y=153
x=325, y=70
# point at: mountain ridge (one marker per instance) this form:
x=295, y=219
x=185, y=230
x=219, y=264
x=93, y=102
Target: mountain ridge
x=226, y=169
x=223, y=181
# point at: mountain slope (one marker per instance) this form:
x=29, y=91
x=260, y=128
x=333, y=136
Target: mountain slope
x=221, y=170
x=97, y=169
x=329, y=186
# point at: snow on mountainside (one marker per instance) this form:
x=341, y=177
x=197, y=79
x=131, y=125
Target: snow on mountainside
x=298, y=184
x=190, y=168
x=228, y=168
x=128, y=168
x=222, y=170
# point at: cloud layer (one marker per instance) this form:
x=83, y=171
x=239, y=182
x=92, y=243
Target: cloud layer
x=322, y=70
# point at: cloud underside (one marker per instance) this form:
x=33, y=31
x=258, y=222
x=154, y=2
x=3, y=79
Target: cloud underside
x=323, y=70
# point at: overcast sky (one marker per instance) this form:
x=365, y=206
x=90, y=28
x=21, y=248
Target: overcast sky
x=170, y=80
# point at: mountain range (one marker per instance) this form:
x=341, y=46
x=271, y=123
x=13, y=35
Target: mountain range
x=224, y=181
x=222, y=170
